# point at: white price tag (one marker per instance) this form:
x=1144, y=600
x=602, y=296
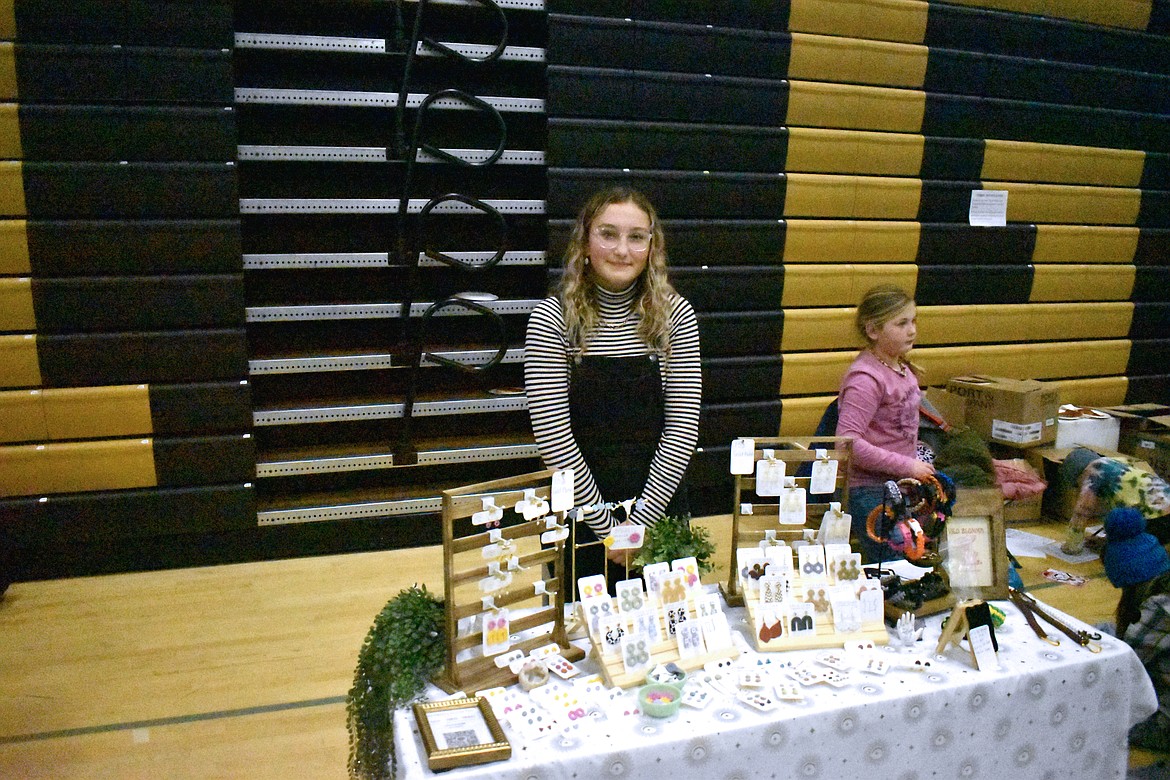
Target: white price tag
x=743, y=455
x=769, y=476
x=824, y=474
x=562, y=490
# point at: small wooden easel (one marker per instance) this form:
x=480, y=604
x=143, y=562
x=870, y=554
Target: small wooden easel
x=959, y=627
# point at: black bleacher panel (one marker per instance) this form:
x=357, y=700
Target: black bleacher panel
x=161, y=357
x=720, y=423
x=746, y=14
x=1150, y=283
x=741, y=378
x=1149, y=356
x=1019, y=78
x=133, y=190
x=1160, y=23
x=203, y=407
x=1151, y=389
x=724, y=242
x=961, y=244
x=125, y=74
x=738, y=288
x=1155, y=209
x=972, y=284
x=1153, y=247
x=138, y=303
x=1019, y=120
x=612, y=94
x=724, y=334
x=674, y=193
x=1156, y=171
x=604, y=143
x=187, y=23
x=56, y=132
x=710, y=488
x=122, y=247
x=952, y=158
x=945, y=201
x=1151, y=320
x=205, y=460
x=1038, y=37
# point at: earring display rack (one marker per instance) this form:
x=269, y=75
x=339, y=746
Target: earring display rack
x=541, y=598
x=825, y=634
x=755, y=518
x=663, y=652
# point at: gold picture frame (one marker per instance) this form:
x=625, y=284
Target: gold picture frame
x=460, y=732
x=977, y=559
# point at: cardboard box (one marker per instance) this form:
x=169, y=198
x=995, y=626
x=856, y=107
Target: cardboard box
x=1018, y=412
x=1088, y=431
x=1145, y=434
x=1023, y=510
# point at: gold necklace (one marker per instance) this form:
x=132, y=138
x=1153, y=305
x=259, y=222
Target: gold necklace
x=899, y=369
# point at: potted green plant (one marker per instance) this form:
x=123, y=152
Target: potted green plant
x=674, y=537
x=403, y=650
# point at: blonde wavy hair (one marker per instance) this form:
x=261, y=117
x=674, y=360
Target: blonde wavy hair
x=578, y=291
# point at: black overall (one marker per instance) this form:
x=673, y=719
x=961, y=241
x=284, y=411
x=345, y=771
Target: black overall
x=617, y=411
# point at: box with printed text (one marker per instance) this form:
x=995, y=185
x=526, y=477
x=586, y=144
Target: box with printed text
x=1019, y=412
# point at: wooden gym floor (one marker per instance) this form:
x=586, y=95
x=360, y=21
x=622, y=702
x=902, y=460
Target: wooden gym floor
x=242, y=670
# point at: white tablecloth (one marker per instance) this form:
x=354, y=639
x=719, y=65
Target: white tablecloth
x=1048, y=712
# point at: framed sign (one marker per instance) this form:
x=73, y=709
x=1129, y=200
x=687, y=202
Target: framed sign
x=460, y=732
x=977, y=561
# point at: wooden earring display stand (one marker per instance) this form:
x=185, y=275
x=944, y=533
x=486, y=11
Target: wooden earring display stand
x=464, y=567
x=748, y=529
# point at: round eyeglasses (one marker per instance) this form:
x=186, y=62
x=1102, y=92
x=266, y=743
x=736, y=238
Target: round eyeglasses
x=636, y=240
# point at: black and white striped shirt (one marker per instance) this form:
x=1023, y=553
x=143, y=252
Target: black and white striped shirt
x=546, y=379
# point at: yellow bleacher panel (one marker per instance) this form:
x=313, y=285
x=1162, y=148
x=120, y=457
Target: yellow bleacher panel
x=1098, y=391
x=117, y=464
x=1069, y=204
x=16, y=304
x=14, y=257
x=1085, y=244
x=817, y=150
x=800, y=416
x=856, y=61
x=805, y=373
x=823, y=195
x=10, y=146
x=1062, y=164
x=12, y=189
x=806, y=330
x=8, y=84
x=91, y=412
x=19, y=366
x=837, y=285
x=1053, y=360
x=890, y=20
x=8, y=20
x=888, y=198
x=988, y=323
x=1082, y=282
x=22, y=416
x=817, y=104
x=836, y=241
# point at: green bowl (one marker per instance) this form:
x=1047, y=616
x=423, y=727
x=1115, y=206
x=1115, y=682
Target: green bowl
x=658, y=700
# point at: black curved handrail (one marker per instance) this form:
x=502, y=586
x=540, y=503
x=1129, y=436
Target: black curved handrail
x=473, y=101
x=495, y=53
x=486, y=208
x=455, y=300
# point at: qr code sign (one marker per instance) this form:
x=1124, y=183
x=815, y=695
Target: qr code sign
x=460, y=739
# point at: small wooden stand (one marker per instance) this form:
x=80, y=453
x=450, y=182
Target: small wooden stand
x=958, y=628
x=463, y=568
x=749, y=529
x=826, y=634
x=664, y=652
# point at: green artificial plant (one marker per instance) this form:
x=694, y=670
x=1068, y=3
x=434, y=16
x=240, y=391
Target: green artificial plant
x=403, y=650
x=674, y=537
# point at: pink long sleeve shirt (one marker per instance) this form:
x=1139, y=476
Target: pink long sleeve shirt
x=879, y=409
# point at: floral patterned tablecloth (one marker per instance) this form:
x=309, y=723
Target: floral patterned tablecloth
x=1047, y=712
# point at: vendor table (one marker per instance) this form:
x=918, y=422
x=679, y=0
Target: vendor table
x=1046, y=712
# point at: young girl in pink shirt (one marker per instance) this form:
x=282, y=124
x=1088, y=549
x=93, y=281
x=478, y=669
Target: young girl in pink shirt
x=878, y=406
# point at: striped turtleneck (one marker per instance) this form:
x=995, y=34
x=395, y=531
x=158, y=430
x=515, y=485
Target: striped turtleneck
x=547, y=363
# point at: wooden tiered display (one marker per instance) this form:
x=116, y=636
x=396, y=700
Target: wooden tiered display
x=748, y=529
x=825, y=634
x=664, y=652
x=541, y=598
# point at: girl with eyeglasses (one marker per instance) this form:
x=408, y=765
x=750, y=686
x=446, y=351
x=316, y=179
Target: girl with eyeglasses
x=612, y=373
